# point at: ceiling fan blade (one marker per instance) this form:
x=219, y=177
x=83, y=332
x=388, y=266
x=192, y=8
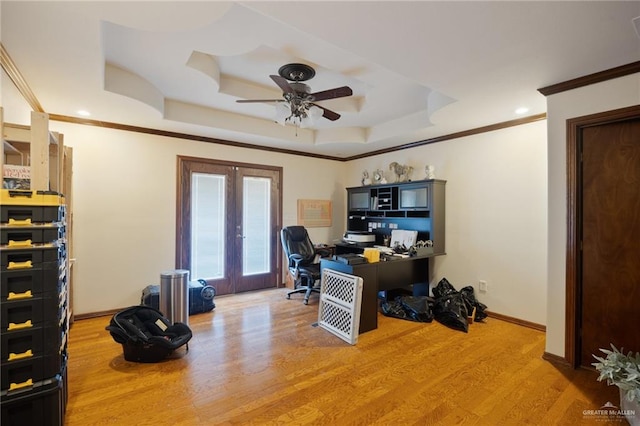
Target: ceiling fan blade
x=338, y=92
x=247, y=101
x=328, y=114
x=282, y=83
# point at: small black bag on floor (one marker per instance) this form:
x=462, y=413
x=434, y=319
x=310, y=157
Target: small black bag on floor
x=451, y=311
x=418, y=308
x=444, y=288
x=412, y=308
x=469, y=297
x=146, y=335
x=200, y=296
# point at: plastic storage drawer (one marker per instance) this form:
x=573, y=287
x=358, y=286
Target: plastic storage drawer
x=26, y=207
x=33, y=312
x=31, y=214
x=32, y=342
x=25, y=283
x=12, y=259
x=15, y=236
x=42, y=404
x=25, y=372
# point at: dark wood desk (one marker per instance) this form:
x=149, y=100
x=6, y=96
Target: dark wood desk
x=379, y=276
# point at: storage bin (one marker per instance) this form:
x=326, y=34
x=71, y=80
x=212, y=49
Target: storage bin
x=23, y=373
x=25, y=236
x=33, y=308
x=31, y=342
x=12, y=259
x=26, y=283
x=42, y=404
x=32, y=312
x=29, y=207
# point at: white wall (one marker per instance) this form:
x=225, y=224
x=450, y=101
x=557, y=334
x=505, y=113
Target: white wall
x=606, y=96
x=125, y=204
x=496, y=220
x=125, y=193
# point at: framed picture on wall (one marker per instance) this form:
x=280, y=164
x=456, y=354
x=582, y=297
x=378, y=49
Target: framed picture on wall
x=314, y=213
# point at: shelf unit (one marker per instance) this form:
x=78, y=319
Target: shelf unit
x=415, y=206
x=51, y=168
x=35, y=247
x=43, y=151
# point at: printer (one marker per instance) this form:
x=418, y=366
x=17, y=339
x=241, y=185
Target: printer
x=359, y=237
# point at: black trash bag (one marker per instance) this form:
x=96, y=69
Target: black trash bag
x=451, y=311
x=418, y=308
x=471, y=302
x=443, y=288
x=393, y=308
x=411, y=308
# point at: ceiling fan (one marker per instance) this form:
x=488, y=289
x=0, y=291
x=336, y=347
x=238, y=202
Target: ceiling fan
x=297, y=99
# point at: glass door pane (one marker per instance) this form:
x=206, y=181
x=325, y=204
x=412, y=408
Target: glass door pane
x=256, y=222
x=207, y=225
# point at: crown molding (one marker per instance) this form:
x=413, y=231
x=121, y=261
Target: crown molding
x=18, y=80
x=586, y=80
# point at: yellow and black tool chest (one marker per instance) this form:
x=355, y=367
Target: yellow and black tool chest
x=33, y=308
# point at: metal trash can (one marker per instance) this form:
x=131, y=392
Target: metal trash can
x=174, y=295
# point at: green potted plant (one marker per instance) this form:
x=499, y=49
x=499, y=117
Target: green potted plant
x=624, y=372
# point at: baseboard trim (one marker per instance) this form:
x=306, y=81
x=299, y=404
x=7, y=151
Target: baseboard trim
x=494, y=315
x=97, y=314
x=517, y=321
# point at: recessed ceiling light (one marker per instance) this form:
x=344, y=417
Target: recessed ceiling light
x=522, y=110
x=83, y=113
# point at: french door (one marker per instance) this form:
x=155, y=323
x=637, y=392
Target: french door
x=228, y=219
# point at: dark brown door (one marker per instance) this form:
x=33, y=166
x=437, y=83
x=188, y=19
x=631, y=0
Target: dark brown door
x=609, y=288
x=229, y=215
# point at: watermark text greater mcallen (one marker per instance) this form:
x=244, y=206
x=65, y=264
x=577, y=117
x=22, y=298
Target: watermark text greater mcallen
x=608, y=412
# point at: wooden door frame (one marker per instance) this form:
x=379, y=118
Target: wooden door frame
x=573, y=279
x=181, y=185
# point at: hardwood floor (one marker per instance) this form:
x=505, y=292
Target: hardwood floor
x=256, y=359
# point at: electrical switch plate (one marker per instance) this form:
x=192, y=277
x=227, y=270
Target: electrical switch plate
x=482, y=286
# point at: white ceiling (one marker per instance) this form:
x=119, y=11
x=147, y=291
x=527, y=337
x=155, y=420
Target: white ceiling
x=418, y=69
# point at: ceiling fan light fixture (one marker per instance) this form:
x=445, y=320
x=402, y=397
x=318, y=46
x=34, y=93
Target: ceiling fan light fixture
x=297, y=105
x=315, y=112
x=283, y=111
x=297, y=112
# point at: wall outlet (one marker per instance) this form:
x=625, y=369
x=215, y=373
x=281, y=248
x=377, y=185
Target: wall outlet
x=483, y=286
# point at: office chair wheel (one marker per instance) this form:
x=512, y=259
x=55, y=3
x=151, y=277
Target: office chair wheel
x=306, y=302
x=288, y=297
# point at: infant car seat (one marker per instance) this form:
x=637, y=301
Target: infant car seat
x=146, y=335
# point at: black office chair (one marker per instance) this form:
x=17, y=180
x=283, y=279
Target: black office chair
x=301, y=253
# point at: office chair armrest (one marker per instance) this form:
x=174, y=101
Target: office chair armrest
x=294, y=262
x=295, y=259
x=323, y=252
